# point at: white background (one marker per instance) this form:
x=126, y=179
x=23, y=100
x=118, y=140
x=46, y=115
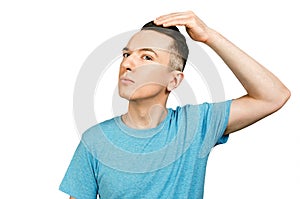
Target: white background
x=44, y=44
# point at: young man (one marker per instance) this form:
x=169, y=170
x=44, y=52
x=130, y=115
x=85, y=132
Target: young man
x=156, y=152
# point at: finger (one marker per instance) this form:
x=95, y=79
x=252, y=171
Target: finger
x=175, y=21
x=167, y=18
x=169, y=15
x=175, y=14
x=171, y=20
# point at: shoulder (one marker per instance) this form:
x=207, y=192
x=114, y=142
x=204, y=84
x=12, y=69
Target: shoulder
x=94, y=131
x=202, y=112
x=204, y=107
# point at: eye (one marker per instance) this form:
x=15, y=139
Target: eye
x=126, y=55
x=147, y=57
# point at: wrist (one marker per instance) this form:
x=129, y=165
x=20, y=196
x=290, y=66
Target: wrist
x=213, y=37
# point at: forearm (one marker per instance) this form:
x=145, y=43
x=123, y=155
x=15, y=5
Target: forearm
x=259, y=82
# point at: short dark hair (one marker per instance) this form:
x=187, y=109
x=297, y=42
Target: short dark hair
x=180, y=49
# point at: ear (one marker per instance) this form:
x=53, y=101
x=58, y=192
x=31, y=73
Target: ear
x=175, y=80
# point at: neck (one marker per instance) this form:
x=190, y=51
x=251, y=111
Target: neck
x=144, y=115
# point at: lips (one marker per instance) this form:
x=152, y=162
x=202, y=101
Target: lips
x=126, y=80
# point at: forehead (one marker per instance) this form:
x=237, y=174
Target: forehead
x=149, y=39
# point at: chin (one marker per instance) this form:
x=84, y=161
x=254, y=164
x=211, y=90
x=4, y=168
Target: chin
x=124, y=96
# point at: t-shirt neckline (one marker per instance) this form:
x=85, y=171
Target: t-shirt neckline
x=142, y=133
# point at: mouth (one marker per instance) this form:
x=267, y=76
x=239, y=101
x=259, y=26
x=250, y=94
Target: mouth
x=126, y=80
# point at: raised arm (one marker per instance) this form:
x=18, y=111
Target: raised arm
x=265, y=92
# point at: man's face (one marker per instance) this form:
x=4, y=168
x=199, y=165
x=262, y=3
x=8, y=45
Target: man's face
x=144, y=71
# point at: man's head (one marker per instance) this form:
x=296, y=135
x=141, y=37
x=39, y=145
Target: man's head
x=152, y=64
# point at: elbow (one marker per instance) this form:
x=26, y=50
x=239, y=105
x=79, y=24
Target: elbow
x=283, y=96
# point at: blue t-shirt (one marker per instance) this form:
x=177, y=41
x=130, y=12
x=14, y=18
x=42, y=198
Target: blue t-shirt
x=165, y=162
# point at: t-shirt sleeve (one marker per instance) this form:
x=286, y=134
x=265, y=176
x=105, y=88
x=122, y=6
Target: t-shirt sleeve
x=215, y=121
x=79, y=180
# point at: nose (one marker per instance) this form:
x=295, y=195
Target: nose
x=128, y=63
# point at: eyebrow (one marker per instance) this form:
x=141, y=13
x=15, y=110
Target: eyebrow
x=142, y=49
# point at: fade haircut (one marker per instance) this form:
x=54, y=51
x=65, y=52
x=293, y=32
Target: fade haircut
x=179, y=50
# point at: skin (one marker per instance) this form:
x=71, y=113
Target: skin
x=147, y=99
x=145, y=62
